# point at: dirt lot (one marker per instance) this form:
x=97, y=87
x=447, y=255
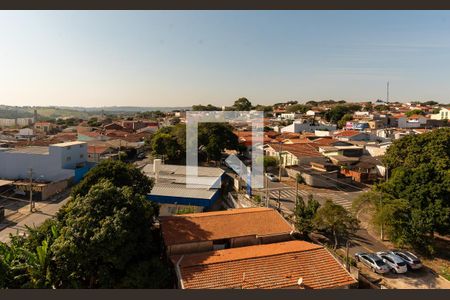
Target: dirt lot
x=424, y=278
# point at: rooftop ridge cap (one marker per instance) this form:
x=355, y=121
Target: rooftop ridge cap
x=258, y=256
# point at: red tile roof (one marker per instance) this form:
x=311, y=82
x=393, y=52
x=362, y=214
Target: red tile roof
x=416, y=116
x=97, y=149
x=269, y=266
x=222, y=224
x=297, y=140
x=299, y=150
x=346, y=133
x=93, y=134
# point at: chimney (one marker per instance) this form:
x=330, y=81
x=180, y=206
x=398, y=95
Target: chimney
x=156, y=168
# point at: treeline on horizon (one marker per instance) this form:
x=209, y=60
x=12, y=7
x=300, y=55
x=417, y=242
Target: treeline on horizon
x=48, y=113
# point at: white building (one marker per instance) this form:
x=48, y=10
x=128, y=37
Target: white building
x=312, y=113
x=20, y=122
x=7, y=122
x=53, y=163
x=308, y=126
x=444, y=114
x=288, y=116
x=25, y=134
x=412, y=122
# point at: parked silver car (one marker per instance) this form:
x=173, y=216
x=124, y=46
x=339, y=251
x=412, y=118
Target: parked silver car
x=412, y=261
x=373, y=261
x=397, y=264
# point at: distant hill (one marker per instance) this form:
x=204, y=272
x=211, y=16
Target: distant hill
x=124, y=108
x=51, y=112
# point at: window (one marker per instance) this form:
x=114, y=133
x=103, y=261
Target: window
x=379, y=263
x=81, y=155
x=68, y=158
x=68, y=147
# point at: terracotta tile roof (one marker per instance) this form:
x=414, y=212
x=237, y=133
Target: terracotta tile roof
x=268, y=266
x=222, y=224
x=416, y=116
x=346, y=133
x=248, y=141
x=97, y=149
x=299, y=150
x=93, y=134
x=397, y=116
x=271, y=133
x=118, y=133
x=297, y=141
x=325, y=141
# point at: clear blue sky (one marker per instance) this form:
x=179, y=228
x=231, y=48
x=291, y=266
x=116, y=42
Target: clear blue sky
x=180, y=58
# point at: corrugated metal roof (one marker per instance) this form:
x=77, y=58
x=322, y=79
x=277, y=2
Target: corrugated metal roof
x=181, y=170
x=180, y=190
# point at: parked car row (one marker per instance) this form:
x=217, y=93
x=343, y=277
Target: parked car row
x=397, y=261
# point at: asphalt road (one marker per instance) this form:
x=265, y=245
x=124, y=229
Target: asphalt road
x=287, y=194
x=43, y=212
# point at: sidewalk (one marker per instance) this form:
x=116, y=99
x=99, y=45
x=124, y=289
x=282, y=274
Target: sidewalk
x=43, y=211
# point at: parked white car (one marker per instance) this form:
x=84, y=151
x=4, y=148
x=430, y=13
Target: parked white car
x=412, y=261
x=373, y=261
x=397, y=264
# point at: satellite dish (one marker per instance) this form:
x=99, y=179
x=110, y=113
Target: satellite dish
x=300, y=281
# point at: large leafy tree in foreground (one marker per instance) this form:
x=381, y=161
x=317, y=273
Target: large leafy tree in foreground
x=415, y=202
x=119, y=173
x=104, y=237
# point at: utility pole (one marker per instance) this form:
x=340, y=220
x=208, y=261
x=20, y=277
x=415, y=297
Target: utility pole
x=381, y=226
x=281, y=162
x=387, y=93
x=31, y=189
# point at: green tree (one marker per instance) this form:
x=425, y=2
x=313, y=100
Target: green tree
x=381, y=107
x=103, y=235
x=270, y=162
x=298, y=108
x=336, y=220
x=415, y=112
x=242, y=104
x=264, y=108
x=166, y=144
x=338, y=111
x=431, y=103
x=304, y=214
x=344, y=120
x=215, y=137
x=93, y=122
x=119, y=173
x=418, y=189
x=208, y=107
